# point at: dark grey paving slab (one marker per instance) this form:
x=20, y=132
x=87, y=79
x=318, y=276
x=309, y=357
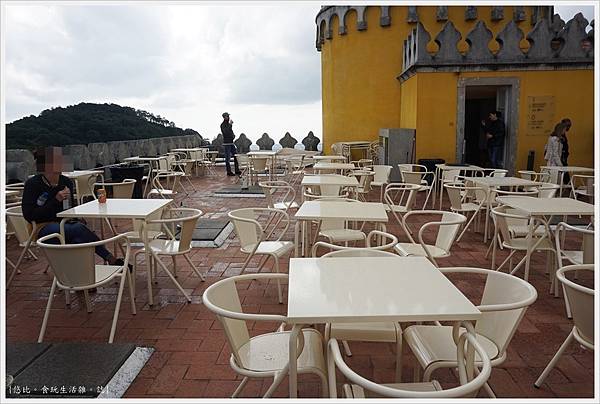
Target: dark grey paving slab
x=237, y=189
x=71, y=370
x=19, y=355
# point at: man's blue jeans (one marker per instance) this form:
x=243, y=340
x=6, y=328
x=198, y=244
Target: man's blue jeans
x=495, y=153
x=229, y=150
x=75, y=233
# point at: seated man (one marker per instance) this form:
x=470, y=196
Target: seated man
x=49, y=193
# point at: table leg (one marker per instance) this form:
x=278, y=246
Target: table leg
x=148, y=260
x=293, y=365
x=529, y=247
x=296, y=237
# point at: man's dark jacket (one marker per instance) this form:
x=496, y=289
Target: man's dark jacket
x=497, y=130
x=227, y=132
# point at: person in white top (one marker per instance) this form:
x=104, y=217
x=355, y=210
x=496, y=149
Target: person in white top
x=553, y=148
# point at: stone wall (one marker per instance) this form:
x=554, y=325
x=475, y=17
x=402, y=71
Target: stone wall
x=20, y=163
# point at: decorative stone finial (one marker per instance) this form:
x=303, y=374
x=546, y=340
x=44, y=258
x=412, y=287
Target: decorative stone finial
x=287, y=141
x=478, y=39
x=470, y=13
x=412, y=15
x=310, y=142
x=441, y=13
x=573, y=35
x=447, y=40
x=265, y=142
x=242, y=143
x=509, y=39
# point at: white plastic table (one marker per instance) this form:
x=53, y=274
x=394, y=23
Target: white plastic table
x=351, y=211
x=561, y=170
x=544, y=208
x=333, y=166
x=153, y=164
x=439, y=177
x=369, y=289
x=139, y=209
x=81, y=173
x=330, y=179
x=492, y=182
x=271, y=154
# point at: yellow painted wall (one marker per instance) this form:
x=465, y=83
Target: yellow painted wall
x=436, y=96
x=360, y=92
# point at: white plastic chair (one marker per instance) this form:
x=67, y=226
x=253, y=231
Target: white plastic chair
x=534, y=176
x=339, y=230
x=364, y=179
x=253, y=240
x=547, y=190
x=400, y=199
x=287, y=195
x=120, y=190
x=511, y=241
x=362, y=388
x=83, y=186
x=264, y=355
x=75, y=269
x=25, y=234
x=575, y=257
x=382, y=178
x=503, y=304
x=186, y=218
x=448, y=228
x=458, y=194
x=582, y=306
x=165, y=185
x=259, y=165
x=582, y=186
x=418, y=174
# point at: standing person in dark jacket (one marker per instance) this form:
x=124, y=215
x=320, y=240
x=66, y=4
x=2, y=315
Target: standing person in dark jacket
x=49, y=193
x=494, y=132
x=564, y=157
x=228, y=145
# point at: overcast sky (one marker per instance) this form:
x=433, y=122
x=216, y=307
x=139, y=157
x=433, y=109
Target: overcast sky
x=188, y=63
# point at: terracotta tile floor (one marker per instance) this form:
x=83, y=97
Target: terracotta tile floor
x=191, y=357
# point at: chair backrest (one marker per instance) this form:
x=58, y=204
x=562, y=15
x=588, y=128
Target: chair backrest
x=243, y=160
x=449, y=175
x=504, y=217
x=166, y=182
x=73, y=264
x=364, y=179
x=498, y=172
x=19, y=225
x=466, y=389
x=259, y=163
x=454, y=190
x=448, y=230
x=503, y=304
x=223, y=300
x=83, y=185
x=581, y=301
x=187, y=218
x=246, y=226
x=582, y=184
x=360, y=251
x=270, y=188
x=155, y=227
x=224, y=295
x=401, y=195
x=120, y=190
x=330, y=190
x=587, y=242
x=547, y=190
x=382, y=173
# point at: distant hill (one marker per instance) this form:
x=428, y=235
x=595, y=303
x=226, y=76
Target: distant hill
x=88, y=123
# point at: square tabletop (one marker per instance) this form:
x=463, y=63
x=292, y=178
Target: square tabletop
x=503, y=181
x=362, y=211
x=117, y=208
x=329, y=157
x=547, y=206
x=569, y=169
x=262, y=153
x=140, y=158
x=81, y=173
x=332, y=179
x=468, y=167
x=334, y=166
x=360, y=289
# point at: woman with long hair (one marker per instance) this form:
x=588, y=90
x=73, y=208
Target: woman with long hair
x=553, y=148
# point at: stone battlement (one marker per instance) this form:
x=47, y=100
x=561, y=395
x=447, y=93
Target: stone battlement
x=552, y=44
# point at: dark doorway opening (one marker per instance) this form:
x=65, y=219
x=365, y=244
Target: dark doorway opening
x=480, y=100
